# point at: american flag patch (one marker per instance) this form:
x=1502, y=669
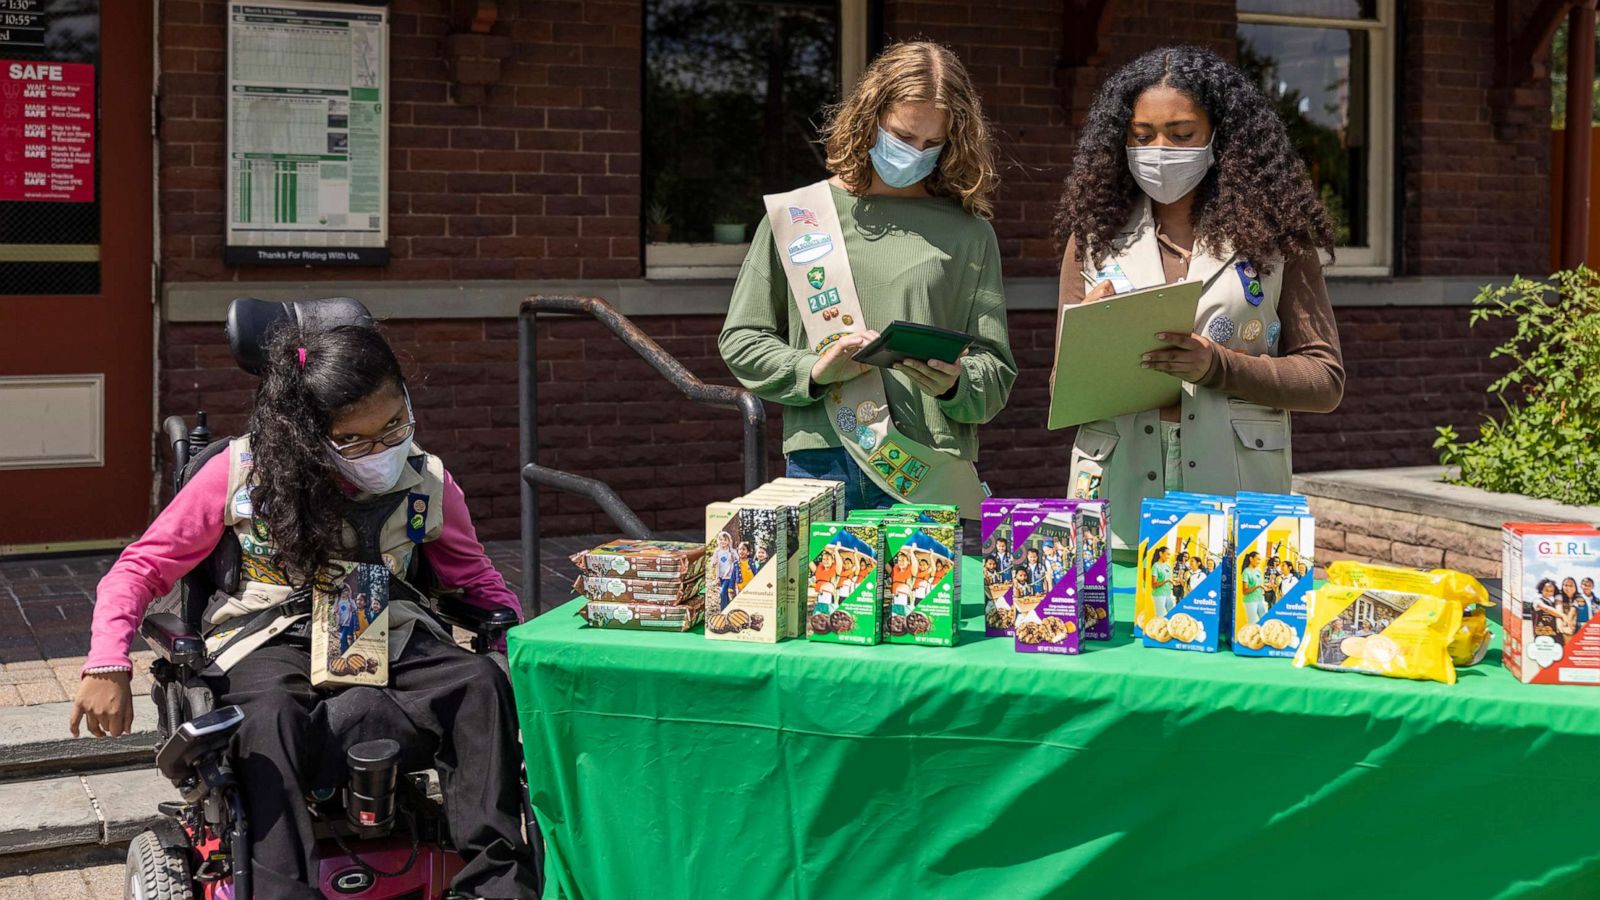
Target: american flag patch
x=800, y=216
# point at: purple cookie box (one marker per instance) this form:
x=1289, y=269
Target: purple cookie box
x=996, y=514
x=1062, y=602
x=1062, y=599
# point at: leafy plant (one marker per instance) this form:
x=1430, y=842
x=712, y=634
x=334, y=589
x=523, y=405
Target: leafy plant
x=657, y=213
x=1547, y=444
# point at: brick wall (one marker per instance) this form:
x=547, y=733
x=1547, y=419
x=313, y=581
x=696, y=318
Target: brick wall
x=540, y=182
x=1474, y=202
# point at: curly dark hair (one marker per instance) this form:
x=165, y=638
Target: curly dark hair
x=1257, y=201
x=294, y=486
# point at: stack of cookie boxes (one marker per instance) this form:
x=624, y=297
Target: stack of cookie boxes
x=886, y=576
x=641, y=585
x=756, y=558
x=1212, y=566
x=1047, y=573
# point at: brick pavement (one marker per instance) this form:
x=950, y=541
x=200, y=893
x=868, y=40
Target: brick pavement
x=46, y=606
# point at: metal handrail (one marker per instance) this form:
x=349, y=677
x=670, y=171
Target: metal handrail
x=533, y=474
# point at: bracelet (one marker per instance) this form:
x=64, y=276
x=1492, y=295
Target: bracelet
x=107, y=670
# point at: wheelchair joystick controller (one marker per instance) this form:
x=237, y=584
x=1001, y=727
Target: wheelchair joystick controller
x=374, y=766
x=199, y=435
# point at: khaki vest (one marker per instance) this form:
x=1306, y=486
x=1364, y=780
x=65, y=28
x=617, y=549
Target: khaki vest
x=1228, y=444
x=262, y=586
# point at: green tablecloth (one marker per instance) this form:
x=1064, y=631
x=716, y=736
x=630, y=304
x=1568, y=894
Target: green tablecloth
x=667, y=766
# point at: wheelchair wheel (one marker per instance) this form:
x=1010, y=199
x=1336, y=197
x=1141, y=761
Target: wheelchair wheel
x=156, y=872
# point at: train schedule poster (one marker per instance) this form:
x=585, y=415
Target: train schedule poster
x=307, y=134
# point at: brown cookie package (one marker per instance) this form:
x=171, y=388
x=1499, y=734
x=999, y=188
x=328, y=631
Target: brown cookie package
x=639, y=590
x=642, y=585
x=644, y=560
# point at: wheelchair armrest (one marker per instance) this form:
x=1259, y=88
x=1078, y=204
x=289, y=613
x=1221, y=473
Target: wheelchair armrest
x=172, y=639
x=488, y=624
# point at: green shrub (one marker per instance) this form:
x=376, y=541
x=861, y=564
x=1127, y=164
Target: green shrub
x=1548, y=442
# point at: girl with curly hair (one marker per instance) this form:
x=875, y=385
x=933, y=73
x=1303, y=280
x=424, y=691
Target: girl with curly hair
x=1185, y=172
x=899, y=232
x=329, y=446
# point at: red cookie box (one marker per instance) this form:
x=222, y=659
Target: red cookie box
x=1551, y=638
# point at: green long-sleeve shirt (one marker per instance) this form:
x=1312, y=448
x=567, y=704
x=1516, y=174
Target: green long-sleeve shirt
x=922, y=260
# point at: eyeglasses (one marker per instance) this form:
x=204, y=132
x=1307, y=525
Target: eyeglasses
x=394, y=437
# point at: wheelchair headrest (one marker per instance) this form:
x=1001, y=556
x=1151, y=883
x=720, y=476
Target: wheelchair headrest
x=250, y=323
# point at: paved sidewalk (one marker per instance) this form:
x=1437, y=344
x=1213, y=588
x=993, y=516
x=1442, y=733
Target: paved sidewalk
x=65, y=881
x=46, y=606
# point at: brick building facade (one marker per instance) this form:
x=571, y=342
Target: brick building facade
x=539, y=189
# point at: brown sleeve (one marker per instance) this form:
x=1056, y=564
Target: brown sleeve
x=1069, y=293
x=1309, y=375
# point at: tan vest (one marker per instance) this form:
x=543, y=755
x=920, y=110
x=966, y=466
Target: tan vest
x=263, y=586
x=1228, y=444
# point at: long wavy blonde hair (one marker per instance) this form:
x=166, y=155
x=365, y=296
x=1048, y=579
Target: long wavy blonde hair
x=917, y=72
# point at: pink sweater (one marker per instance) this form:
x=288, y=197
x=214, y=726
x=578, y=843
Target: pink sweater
x=184, y=533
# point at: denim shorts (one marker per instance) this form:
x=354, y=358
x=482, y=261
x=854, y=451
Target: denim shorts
x=835, y=464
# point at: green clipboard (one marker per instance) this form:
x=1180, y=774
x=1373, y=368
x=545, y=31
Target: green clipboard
x=1097, y=374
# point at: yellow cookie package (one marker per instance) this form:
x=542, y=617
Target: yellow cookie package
x=1471, y=640
x=1391, y=633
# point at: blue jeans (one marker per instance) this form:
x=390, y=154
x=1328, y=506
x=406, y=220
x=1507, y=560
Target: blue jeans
x=835, y=464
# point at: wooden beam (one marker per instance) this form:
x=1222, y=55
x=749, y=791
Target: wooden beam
x=1579, y=137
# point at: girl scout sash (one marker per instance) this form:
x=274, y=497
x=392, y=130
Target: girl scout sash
x=805, y=227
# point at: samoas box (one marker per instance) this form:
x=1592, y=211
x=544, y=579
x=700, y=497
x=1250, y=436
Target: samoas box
x=1276, y=552
x=999, y=616
x=1177, y=616
x=1045, y=584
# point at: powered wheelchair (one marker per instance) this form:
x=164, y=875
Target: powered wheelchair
x=383, y=833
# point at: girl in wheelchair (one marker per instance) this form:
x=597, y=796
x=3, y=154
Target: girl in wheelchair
x=327, y=476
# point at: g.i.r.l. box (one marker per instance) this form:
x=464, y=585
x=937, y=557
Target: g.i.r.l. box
x=1551, y=608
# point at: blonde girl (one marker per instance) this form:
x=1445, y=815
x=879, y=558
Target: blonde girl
x=912, y=166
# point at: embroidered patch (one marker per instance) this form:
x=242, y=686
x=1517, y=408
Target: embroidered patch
x=845, y=418
x=1249, y=281
x=1252, y=329
x=867, y=438
x=828, y=298
x=1220, y=329
x=809, y=247
x=241, y=503
x=867, y=411
x=829, y=341
x=817, y=276
x=799, y=215
x=1273, y=330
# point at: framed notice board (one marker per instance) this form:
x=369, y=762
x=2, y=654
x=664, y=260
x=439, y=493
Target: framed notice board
x=308, y=134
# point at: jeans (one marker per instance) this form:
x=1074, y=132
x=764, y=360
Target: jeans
x=835, y=464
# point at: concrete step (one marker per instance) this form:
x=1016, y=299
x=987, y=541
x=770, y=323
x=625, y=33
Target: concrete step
x=35, y=742
x=80, y=810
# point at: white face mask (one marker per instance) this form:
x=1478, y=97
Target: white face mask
x=375, y=473
x=1167, y=174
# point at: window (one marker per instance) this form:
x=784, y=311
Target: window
x=1327, y=66
x=734, y=94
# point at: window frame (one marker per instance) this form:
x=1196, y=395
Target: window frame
x=1376, y=258
x=683, y=261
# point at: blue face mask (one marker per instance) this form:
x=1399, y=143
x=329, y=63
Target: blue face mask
x=901, y=165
